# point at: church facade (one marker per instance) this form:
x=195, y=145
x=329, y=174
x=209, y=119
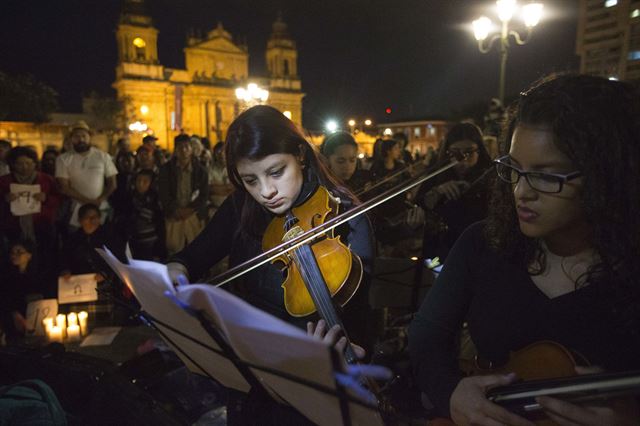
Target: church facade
x=200, y=99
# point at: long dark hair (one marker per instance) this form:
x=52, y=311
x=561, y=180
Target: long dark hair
x=335, y=140
x=460, y=132
x=261, y=131
x=596, y=123
x=21, y=151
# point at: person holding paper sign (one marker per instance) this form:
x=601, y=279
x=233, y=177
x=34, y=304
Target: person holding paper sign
x=38, y=226
x=557, y=258
x=78, y=253
x=23, y=280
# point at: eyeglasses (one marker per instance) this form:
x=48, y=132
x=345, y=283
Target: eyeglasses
x=461, y=153
x=549, y=183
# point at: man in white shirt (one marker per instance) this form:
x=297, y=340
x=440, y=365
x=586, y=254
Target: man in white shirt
x=85, y=174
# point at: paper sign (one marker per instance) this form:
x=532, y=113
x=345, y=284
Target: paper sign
x=25, y=203
x=78, y=288
x=101, y=336
x=39, y=310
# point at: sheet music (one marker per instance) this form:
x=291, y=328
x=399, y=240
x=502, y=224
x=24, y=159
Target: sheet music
x=264, y=340
x=257, y=337
x=148, y=281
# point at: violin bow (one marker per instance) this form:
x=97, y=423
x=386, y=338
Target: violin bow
x=313, y=233
x=407, y=169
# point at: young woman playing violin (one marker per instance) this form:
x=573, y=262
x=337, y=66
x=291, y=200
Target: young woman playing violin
x=341, y=151
x=557, y=258
x=450, y=202
x=274, y=169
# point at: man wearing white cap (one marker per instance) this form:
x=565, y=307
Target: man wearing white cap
x=85, y=174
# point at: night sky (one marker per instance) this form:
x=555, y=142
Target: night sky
x=355, y=57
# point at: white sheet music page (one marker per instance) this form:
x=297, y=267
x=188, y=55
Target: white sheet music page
x=264, y=340
x=148, y=282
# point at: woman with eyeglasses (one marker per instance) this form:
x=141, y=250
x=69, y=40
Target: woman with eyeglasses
x=556, y=259
x=457, y=198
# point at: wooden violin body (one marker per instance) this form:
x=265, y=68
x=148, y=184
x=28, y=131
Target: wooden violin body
x=540, y=360
x=341, y=270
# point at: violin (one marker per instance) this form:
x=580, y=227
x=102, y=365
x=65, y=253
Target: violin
x=548, y=368
x=320, y=274
x=301, y=242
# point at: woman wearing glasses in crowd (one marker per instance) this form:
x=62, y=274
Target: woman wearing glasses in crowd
x=457, y=198
x=556, y=259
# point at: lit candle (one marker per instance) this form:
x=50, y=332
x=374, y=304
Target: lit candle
x=82, y=317
x=47, y=323
x=55, y=334
x=73, y=333
x=61, y=322
x=72, y=318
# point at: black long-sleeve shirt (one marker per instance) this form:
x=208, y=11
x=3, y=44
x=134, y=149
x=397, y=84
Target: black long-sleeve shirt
x=79, y=256
x=262, y=287
x=506, y=312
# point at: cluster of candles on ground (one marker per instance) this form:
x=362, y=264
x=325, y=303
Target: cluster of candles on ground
x=70, y=327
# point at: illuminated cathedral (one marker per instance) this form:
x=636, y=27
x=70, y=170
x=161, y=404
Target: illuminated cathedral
x=205, y=97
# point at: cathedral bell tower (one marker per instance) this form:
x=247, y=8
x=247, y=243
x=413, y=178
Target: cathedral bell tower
x=282, y=57
x=140, y=79
x=137, y=40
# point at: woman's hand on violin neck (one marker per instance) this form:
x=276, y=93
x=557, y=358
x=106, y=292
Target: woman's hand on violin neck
x=333, y=337
x=470, y=406
x=617, y=411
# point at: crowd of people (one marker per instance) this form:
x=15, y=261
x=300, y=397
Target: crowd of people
x=86, y=198
x=538, y=244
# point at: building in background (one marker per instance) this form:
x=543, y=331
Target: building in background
x=608, y=39
x=201, y=99
x=421, y=134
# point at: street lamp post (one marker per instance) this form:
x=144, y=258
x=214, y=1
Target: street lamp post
x=251, y=95
x=531, y=14
x=352, y=125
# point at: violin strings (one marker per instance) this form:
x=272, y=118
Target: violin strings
x=306, y=266
x=305, y=260
x=304, y=270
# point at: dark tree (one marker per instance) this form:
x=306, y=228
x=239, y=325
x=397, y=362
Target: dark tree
x=24, y=98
